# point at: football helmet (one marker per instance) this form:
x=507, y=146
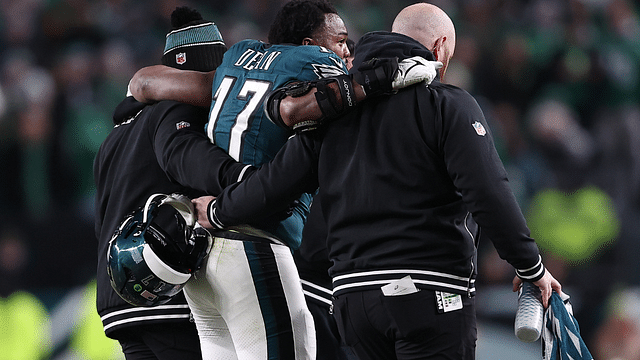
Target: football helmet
x=156, y=249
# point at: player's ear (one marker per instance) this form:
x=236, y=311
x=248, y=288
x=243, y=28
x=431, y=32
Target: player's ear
x=308, y=41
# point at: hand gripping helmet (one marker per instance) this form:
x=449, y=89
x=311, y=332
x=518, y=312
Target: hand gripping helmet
x=155, y=250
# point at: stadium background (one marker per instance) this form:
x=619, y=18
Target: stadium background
x=559, y=82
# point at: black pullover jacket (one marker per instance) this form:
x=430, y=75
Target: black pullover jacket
x=406, y=181
x=160, y=148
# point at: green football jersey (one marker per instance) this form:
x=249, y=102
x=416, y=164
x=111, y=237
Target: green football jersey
x=237, y=120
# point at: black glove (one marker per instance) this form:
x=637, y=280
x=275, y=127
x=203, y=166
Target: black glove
x=376, y=75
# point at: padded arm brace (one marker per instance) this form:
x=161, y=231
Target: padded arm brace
x=328, y=103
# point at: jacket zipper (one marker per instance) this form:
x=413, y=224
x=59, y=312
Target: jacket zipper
x=473, y=240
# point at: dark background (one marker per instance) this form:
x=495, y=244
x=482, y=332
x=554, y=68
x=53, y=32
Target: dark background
x=559, y=82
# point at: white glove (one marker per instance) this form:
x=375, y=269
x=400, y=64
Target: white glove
x=414, y=70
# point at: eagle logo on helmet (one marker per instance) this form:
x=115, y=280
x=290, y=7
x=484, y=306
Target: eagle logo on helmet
x=155, y=250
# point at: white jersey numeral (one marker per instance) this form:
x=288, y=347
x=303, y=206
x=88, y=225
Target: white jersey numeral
x=219, y=97
x=253, y=92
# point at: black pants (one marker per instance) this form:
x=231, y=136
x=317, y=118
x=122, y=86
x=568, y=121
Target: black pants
x=167, y=341
x=405, y=327
x=328, y=343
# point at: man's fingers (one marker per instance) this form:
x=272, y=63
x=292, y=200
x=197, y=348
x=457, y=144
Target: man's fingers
x=201, y=205
x=545, y=298
x=414, y=70
x=517, y=283
x=435, y=64
x=545, y=293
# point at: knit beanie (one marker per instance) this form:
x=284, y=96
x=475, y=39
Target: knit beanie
x=193, y=43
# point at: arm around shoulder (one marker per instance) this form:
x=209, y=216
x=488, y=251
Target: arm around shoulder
x=159, y=82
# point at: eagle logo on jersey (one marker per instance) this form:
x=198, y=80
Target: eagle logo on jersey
x=325, y=71
x=181, y=58
x=480, y=130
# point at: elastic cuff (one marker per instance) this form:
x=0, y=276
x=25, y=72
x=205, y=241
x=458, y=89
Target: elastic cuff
x=533, y=273
x=211, y=215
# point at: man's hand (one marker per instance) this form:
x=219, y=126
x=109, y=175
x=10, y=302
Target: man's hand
x=201, y=205
x=295, y=104
x=385, y=75
x=547, y=284
x=414, y=70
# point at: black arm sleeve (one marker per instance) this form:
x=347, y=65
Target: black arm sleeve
x=188, y=157
x=478, y=173
x=273, y=187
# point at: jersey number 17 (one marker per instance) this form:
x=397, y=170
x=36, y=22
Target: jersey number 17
x=252, y=94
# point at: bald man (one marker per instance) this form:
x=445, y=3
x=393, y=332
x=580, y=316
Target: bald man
x=431, y=27
x=407, y=182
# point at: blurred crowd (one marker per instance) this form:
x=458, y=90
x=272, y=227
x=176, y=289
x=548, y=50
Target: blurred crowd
x=559, y=82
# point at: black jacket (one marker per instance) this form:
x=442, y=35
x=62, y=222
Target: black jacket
x=159, y=148
x=312, y=257
x=406, y=183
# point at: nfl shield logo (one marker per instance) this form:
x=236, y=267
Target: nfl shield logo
x=182, y=125
x=480, y=130
x=181, y=58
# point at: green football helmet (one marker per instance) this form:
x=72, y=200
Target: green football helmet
x=156, y=249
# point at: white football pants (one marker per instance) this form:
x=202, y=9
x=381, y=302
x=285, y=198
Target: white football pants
x=248, y=304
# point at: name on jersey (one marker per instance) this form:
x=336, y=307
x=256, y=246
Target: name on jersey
x=255, y=60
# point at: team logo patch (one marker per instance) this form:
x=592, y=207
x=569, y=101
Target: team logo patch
x=480, y=130
x=181, y=58
x=182, y=125
x=324, y=71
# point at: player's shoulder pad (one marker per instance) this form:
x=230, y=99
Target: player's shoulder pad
x=242, y=46
x=324, y=62
x=246, y=43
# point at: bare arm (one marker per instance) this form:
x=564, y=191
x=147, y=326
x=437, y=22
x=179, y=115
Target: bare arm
x=159, y=82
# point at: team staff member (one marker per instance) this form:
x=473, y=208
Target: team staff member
x=406, y=184
x=312, y=261
x=158, y=149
